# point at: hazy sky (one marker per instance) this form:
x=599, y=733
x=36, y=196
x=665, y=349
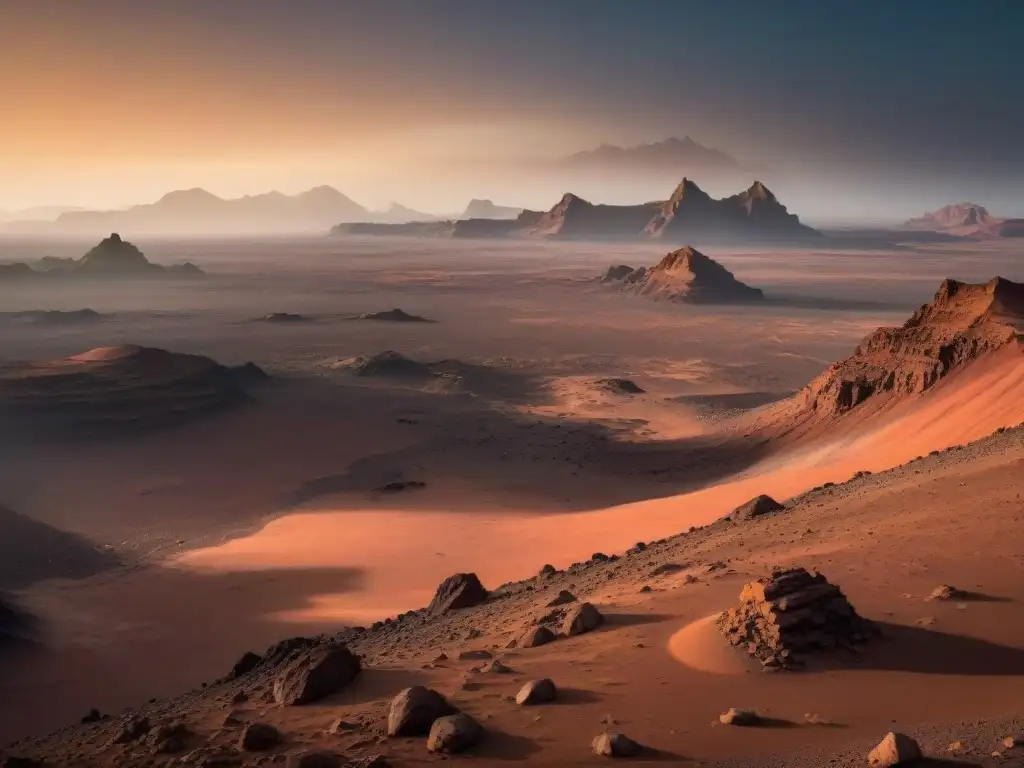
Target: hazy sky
x=112, y=102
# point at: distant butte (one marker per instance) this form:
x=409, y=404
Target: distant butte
x=684, y=275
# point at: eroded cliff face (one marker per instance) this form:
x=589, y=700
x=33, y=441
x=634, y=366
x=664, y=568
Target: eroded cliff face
x=963, y=322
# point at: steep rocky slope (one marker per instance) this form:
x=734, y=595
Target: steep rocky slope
x=961, y=324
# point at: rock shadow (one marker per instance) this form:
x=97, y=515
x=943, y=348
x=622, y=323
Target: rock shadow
x=571, y=696
x=376, y=683
x=925, y=651
x=613, y=620
x=501, y=745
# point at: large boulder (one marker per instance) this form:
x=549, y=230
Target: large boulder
x=454, y=733
x=414, y=710
x=537, y=692
x=894, y=749
x=463, y=590
x=259, y=737
x=615, y=745
x=320, y=672
x=535, y=636
x=581, y=619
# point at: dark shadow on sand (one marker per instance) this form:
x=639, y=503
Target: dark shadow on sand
x=31, y=551
x=613, y=620
x=515, y=444
x=500, y=745
x=925, y=651
x=571, y=696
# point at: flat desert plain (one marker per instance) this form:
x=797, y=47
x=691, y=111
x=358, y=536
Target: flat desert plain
x=539, y=418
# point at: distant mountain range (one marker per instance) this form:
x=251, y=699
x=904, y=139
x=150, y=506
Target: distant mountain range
x=688, y=215
x=678, y=156
x=196, y=211
x=486, y=209
x=38, y=213
x=966, y=220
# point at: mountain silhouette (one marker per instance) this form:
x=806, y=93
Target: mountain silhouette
x=196, y=211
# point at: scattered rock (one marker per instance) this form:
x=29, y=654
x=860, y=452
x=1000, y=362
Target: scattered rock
x=454, y=733
x=414, y=710
x=535, y=636
x=742, y=717
x=646, y=588
x=757, y=506
x=792, y=612
x=615, y=745
x=563, y=597
x=342, y=726
x=240, y=698
x=547, y=572
x=319, y=673
x=537, y=692
x=497, y=668
x=132, y=729
x=259, y=737
x=463, y=590
x=946, y=592
x=92, y=716
x=894, y=749
x=581, y=619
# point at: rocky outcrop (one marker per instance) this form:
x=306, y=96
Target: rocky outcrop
x=684, y=275
x=317, y=674
x=757, y=506
x=463, y=590
x=792, y=613
x=963, y=322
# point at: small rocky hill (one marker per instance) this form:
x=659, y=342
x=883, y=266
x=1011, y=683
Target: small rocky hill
x=111, y=258
x=963, y=322
x=112, y=389
x=685, y=275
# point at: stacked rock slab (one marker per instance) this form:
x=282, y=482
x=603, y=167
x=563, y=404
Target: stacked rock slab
x=794, y=612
